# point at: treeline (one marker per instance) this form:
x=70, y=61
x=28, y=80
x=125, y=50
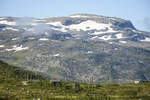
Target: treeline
x=9, y=71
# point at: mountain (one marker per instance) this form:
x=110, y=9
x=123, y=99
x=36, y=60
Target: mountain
x=79, y=47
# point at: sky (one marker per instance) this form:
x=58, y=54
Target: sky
x=137, y=11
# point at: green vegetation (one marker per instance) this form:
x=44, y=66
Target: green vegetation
x=18, y=84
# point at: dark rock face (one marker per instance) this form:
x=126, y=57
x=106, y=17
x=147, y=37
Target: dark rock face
x=126, y=24
x=80, y=47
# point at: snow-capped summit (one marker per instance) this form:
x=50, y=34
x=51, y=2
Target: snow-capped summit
x=79, y=26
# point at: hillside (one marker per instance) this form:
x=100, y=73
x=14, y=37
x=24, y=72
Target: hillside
x=14, y=86
x=80, y=47
x=11, y=72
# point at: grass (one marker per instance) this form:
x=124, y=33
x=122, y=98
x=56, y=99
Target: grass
x=17, y=86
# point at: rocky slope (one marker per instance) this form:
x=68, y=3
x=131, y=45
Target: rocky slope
x=79, y=47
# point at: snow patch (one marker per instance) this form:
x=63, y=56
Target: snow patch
x=43, y=39
x=110, y=42
x=60, y=29
x=95, y=37
x=123, y=42
x=46, y=33
x=1, y=46
x=17, y=48
x=14, y=46
x=119, y=36
x=56, y=55
x=14, y=39
x=106, y=37
x=110, y=30
x=115, y=48
x=55, y=23
x=34, y=24
x=89, y=52
x=147, y=39
x=31, y=38
x=58, y=24
x=10, y=28
x=137, y=31
x=7, y=22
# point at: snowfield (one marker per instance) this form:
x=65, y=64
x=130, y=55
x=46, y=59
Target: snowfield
x=89, y=25
x=7, y=22
x=85, y=26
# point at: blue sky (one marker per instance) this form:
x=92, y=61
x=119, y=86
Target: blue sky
x=135, y=10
